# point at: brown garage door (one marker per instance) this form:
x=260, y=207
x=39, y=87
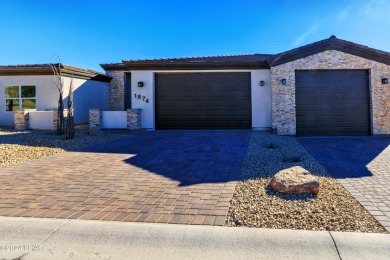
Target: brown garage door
x=332, y=102
x=203, y=101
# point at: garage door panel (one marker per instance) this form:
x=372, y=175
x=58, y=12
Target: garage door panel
x=311, y=96
x=312, y=101
x=306, y=118
x=338, y=119
x=189, y=114
x=356, y=96
x=204, y=100
x=357, y=130
x=325, y=107
x=338, y=95
x=332, y=102
x=324, y=95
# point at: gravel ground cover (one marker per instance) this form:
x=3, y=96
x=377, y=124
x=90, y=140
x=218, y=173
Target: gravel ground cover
x=254, y=204
x=20, y=146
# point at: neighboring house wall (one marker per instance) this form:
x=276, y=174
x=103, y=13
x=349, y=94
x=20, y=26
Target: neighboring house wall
x=88, y=94
x=261, y=96
x=283, y=96
x=46, y=94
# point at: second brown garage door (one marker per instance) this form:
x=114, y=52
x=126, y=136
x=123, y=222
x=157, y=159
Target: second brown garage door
x=203, y=101
x=332, y=102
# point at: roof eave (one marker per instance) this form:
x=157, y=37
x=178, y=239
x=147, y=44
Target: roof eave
x=84, y=74
x=20, y=71
x=67, y=71
x=116, y=66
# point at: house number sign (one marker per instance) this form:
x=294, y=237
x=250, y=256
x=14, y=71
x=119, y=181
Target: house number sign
x=143, y=98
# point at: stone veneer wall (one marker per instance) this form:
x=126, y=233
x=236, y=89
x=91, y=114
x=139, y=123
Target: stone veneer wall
x=21, y=120
x=95, y=119
x=116, y=91
x=283, y=96
x=133, y=119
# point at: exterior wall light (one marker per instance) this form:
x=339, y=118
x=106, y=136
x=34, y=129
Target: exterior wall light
x=385, y=81
x=140, y=84
x=262, y=83
x=284, y=81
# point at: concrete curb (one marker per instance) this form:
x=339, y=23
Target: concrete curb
x=35, y=238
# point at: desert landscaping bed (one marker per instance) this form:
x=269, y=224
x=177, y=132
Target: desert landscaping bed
x=255, y=204
x=20, y=146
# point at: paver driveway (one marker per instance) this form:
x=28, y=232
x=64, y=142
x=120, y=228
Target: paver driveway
x=361, y=165
x=163, y=176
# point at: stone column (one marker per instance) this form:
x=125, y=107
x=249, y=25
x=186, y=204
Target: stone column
x=21, y=120
x=133, y=119
x=95, y=119
x=55, y=119
x=116, y=91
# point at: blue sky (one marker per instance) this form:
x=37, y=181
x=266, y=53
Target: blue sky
x=86, y=33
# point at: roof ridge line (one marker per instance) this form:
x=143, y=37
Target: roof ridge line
x=194, y=57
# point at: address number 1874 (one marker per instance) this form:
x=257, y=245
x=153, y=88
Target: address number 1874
x=143, y=98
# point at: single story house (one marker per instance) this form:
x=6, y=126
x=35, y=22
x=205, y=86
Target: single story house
x=330, y=87
x=33, y=87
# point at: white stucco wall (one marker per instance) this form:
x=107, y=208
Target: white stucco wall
x=46, y=94
x=261, y=96
x=41, y=120
x=147, y=91
x=114, y=119
x=87, y=94
x=261, y=99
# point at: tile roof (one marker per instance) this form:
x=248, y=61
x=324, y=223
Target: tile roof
x=252, y=61
x=332, y=43
x=243, y=61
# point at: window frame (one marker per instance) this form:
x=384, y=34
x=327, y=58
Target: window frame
x=19, y=98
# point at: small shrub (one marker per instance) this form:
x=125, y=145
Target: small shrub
x=271, y=146
x=293, y=159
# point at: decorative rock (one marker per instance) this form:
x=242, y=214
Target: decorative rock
x=295, y=180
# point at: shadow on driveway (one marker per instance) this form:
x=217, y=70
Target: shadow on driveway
x=189, y=157
x=346, y=157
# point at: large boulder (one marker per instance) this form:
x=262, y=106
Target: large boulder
x=295, y=180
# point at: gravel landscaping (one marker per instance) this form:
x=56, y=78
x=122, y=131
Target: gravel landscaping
x=20, y=146
x=254, y=204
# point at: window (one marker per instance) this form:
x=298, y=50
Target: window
x=19, y=97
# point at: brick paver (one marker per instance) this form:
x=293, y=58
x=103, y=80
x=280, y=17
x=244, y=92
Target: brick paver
x=362, y=166
x=185, y=177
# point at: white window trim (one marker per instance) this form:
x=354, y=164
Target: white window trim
x=18, y=98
